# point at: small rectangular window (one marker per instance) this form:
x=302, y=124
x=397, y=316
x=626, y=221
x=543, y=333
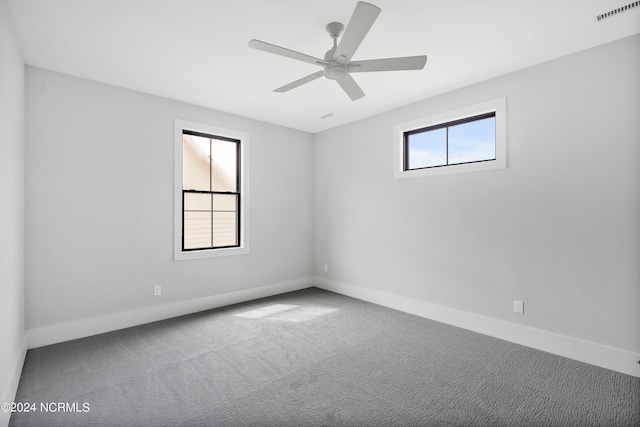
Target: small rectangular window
x=211, y=191
x=465, y=140
x=468, y=140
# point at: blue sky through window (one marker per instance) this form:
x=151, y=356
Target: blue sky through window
x=428, y=149
x=473, y=141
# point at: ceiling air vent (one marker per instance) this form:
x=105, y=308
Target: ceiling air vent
x=618, y=10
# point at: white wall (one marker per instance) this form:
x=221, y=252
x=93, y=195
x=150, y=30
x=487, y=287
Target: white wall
x=559, y=228
x=12, y=345
x=99, y=205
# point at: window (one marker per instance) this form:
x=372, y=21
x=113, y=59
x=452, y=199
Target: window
x=210, y=191
x=470, y=139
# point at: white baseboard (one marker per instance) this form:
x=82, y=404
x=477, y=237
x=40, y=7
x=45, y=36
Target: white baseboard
x=9, y=392
x=46, y=335
x=584, y=351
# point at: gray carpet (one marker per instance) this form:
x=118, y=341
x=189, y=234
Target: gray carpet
x=314, y=358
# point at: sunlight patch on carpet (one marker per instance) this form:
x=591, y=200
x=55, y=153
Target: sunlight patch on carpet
x=287, y=313
x=266, y=311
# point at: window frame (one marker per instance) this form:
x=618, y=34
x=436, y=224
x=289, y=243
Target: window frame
x=242, y=138
x=448, y=119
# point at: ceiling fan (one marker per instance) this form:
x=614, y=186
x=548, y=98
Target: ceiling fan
x=337, y=64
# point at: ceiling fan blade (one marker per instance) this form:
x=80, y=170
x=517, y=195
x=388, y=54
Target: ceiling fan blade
x=389, y=64
x=361, y=21
x=300, y=82
x=351, y=87
x=271, y=48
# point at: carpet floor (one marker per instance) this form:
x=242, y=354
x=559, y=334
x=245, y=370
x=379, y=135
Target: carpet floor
x=313, y=358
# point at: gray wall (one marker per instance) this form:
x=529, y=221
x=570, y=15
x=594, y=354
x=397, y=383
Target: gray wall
x=559, y=228
x=99, y=202
x=11, y=207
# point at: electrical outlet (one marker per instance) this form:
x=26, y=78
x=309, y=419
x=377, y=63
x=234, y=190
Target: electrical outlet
x=157, y=291
x=326, y=268
x=518, y=306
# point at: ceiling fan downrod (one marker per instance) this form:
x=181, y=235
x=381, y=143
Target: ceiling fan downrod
x=337, y=67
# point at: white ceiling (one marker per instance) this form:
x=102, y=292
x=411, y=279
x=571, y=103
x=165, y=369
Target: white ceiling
x=196, y=50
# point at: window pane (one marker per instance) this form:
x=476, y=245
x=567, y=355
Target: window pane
x=473, y=141
x=427, y=149
x=197, y=201
x=225, y=224
x=224, y=173
x=197, y=220
x=195, y=163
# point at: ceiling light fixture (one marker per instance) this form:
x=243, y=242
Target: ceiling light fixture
x=335, y=71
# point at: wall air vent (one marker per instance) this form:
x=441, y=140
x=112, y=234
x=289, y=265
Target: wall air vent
x=618, y=10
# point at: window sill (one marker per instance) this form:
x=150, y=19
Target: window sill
x=210, y=253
